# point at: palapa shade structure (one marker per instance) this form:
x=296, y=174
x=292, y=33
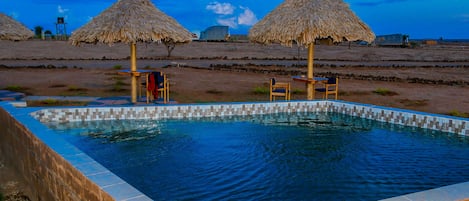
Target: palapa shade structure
x=131, y=21
x=304, y=21
x=11, y=29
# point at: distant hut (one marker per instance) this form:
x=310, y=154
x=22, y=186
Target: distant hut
x=132, y=21
x=11, y=29
x=304, y=21
x=215, y=33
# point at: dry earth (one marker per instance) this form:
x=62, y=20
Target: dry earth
x=430, y=78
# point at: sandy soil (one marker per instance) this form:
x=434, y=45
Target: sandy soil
x=431, y=79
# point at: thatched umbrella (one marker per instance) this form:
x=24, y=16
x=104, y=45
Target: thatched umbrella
x=131, y=21
x=304, y=21
x=11, y=29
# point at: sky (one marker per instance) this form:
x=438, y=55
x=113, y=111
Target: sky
x=420, y=19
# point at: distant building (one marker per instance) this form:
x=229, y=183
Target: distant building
x=239, y=38
x=429, y=42
x=393, y=40
x=215, y=33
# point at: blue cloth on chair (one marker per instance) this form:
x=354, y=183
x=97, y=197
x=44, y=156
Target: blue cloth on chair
x=280, y=90
x=160, y=79
x=322, y=90
x=331, y=80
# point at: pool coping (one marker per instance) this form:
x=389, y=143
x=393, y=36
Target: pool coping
x=120, y=190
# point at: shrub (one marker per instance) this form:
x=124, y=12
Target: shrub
x=117, y=67
x=385, y=92
x=15, y=88
x=261, y=90
x=458, y=114
x=408, y=102
x=57, y=86
x=213, y=91
x=75, y=88
x=120, y=83
x=298, y=91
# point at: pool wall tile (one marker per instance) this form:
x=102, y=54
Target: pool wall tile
x=54, y=169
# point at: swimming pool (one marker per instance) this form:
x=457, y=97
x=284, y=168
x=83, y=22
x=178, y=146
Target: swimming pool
x=294, y=156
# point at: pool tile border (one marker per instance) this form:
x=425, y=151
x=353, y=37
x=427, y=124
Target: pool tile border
x=384, y=114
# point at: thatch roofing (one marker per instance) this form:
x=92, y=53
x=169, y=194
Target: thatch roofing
x=131, y=21
x=11, y=29
x=304, y=21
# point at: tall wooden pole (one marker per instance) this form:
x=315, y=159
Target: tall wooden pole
x=133, y=69
x=310, y=85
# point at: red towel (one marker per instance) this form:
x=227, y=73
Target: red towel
x=152, y=85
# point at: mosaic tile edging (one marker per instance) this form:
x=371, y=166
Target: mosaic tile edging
x=404, y=117
x=384, y=114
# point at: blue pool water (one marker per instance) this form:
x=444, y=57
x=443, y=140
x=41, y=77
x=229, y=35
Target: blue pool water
x=275, y=157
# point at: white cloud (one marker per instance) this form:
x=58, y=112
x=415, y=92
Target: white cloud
x=61, y=10
x=231, y=22
x=247, y=17
x=221, y=8
x=14, y=15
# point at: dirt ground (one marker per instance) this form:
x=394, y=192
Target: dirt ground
x=431, y=79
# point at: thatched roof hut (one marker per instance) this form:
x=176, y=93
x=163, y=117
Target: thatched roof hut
x=11, y=29
x=304, y=21
x=130, y=21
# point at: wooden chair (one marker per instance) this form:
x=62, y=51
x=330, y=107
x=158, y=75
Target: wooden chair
x=331, y=87
x=157, y=85
x=281, y=89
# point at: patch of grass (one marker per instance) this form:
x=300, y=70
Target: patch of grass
x=118, y=88
x=415, y=103
x=75, y=89
x=298, y=91
x=118, y=78
x=15, y=88
x=57, y=86
x=458, y=114
x=261, y=90
x=55, y=102
x=117, y=67
x=385, y=92
x=354, y=93
x=213, y=91
x=120, y=83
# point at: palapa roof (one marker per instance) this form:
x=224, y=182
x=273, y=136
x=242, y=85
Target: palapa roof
x=130, y=21
x=11, y=29
x=304, y=21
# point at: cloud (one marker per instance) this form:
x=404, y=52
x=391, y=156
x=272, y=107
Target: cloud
x=61, y=10
x=231, y=22
x=378, y=2
x=247, y=17
x=221, y=8
x=14, y=15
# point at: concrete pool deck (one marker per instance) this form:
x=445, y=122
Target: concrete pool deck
x=119, y=107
